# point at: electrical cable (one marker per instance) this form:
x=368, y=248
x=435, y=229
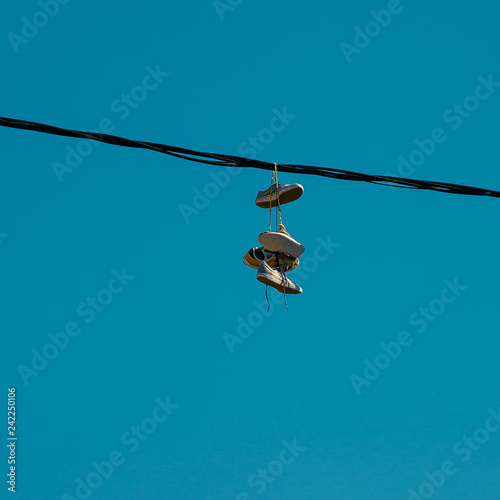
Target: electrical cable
x=224, y=160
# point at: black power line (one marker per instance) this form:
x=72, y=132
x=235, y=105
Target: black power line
x=238, y=161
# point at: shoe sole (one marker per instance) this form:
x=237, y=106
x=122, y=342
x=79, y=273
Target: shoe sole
x=274, y=244
x=289, y=291
x=285, y=197
x=250, y=262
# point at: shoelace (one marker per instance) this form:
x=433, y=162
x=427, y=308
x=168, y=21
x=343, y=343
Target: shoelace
x=284, y=279
x=274, y=189
x=283, y=283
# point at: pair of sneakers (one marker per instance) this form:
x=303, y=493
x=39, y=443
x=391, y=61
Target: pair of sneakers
x=279, y=253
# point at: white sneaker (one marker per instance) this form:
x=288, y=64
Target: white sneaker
x=274, y=278
x=287, y=194
x=281, y=241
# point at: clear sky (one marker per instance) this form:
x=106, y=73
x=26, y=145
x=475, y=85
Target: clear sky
x=144, y=361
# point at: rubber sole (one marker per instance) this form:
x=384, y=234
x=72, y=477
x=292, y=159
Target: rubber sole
x=285, y=197
x=267, y=281
x=279, y=242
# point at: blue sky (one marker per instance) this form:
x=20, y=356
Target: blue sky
x=133, y=301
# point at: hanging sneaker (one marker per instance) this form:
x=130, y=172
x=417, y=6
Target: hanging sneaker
x=281, y=241
x=256, y=255
x=287, y=194
x=276, y=279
